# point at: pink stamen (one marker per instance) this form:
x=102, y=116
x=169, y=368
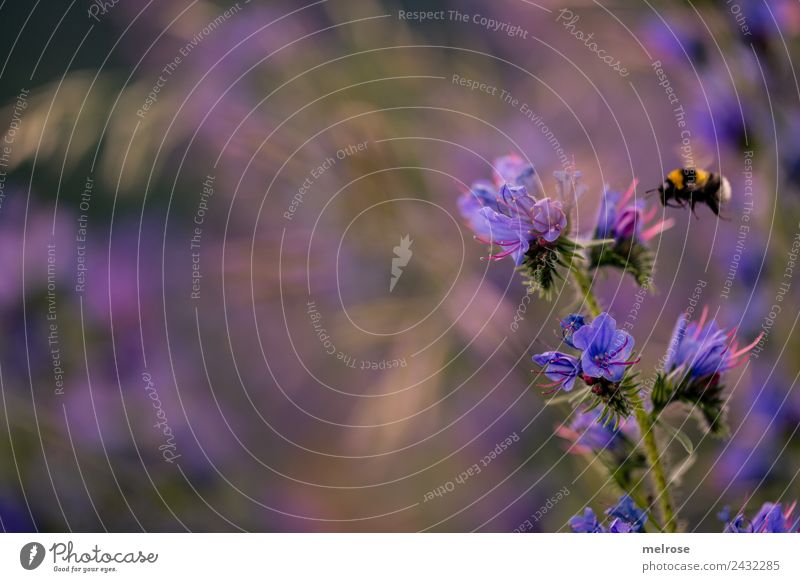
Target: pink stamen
x=631, y=363
x=628, y=193
x=702, y=321
x=749, y=347
x=550, y=384
x=505, y=253
x=622, y=347
x=657, y=229
x=500, y=243
x=566, y=433
x=649, y=216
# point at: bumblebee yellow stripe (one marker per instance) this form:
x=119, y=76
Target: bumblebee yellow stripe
x=700, y=177
x=676, y=177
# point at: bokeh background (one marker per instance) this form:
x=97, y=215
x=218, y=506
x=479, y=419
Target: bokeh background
x=199, y=204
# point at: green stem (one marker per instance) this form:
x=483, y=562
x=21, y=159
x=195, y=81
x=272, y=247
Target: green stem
x=642, y=418
x=585, y=287
x=654, y=460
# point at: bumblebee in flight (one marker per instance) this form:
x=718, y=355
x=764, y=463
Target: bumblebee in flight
x=694, y=186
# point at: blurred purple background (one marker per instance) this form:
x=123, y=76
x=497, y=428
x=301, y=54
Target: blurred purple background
x=199, y=207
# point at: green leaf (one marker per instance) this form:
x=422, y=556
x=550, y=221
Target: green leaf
x=569, y=397
x=679, y=470
x=678, y=435
x=597, y=242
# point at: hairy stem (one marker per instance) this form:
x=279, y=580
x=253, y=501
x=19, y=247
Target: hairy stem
x=585, y=287
x=654, y=460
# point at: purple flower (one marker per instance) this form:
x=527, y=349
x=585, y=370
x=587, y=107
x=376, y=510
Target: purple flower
x=770, y=519
x=561, y=368
x=607, y=215
x=482, y=193
x=504, y=220
x=606, y=349
x=624, y=221
x=507, y=215
x=512, y=169
x=586, y=523
x=627, y=519
x=619, y=526
x=549, y=219
x=702, y=349
x=513, y=220
x=569, y=325
x=628, y=223
x=626, y=510
x=588, y=435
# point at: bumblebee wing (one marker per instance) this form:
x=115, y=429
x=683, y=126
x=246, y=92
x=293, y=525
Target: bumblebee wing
x=699, y=156
x=703, y=158
x=724, y=190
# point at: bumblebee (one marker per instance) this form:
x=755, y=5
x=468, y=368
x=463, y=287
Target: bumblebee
x=694, y=186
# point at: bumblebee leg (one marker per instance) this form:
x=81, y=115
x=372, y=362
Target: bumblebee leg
x=693, y=211
x=713, y=205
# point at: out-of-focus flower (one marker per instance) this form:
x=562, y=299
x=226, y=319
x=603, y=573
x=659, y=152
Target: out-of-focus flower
x=626, y=510
x=703, y=348
x=569, y=325
x=606, y=349
x=625, y=220
x=561, y=368
x=765, y=414
x=771, y=518
x=586, y=523
x=512, y=169
x=549, y=220
x=607, y=215
x=587, y=434
x=631, y=226
x=627, y=519
x=482, y=193
x=619, y=526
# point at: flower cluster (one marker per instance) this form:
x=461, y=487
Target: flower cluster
x=626, y=518
x=605, y=357
x=626, y=226
x=771, y=518
x=612, y=417
x=531, y=230
x=698, y=354
x=605, y=351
